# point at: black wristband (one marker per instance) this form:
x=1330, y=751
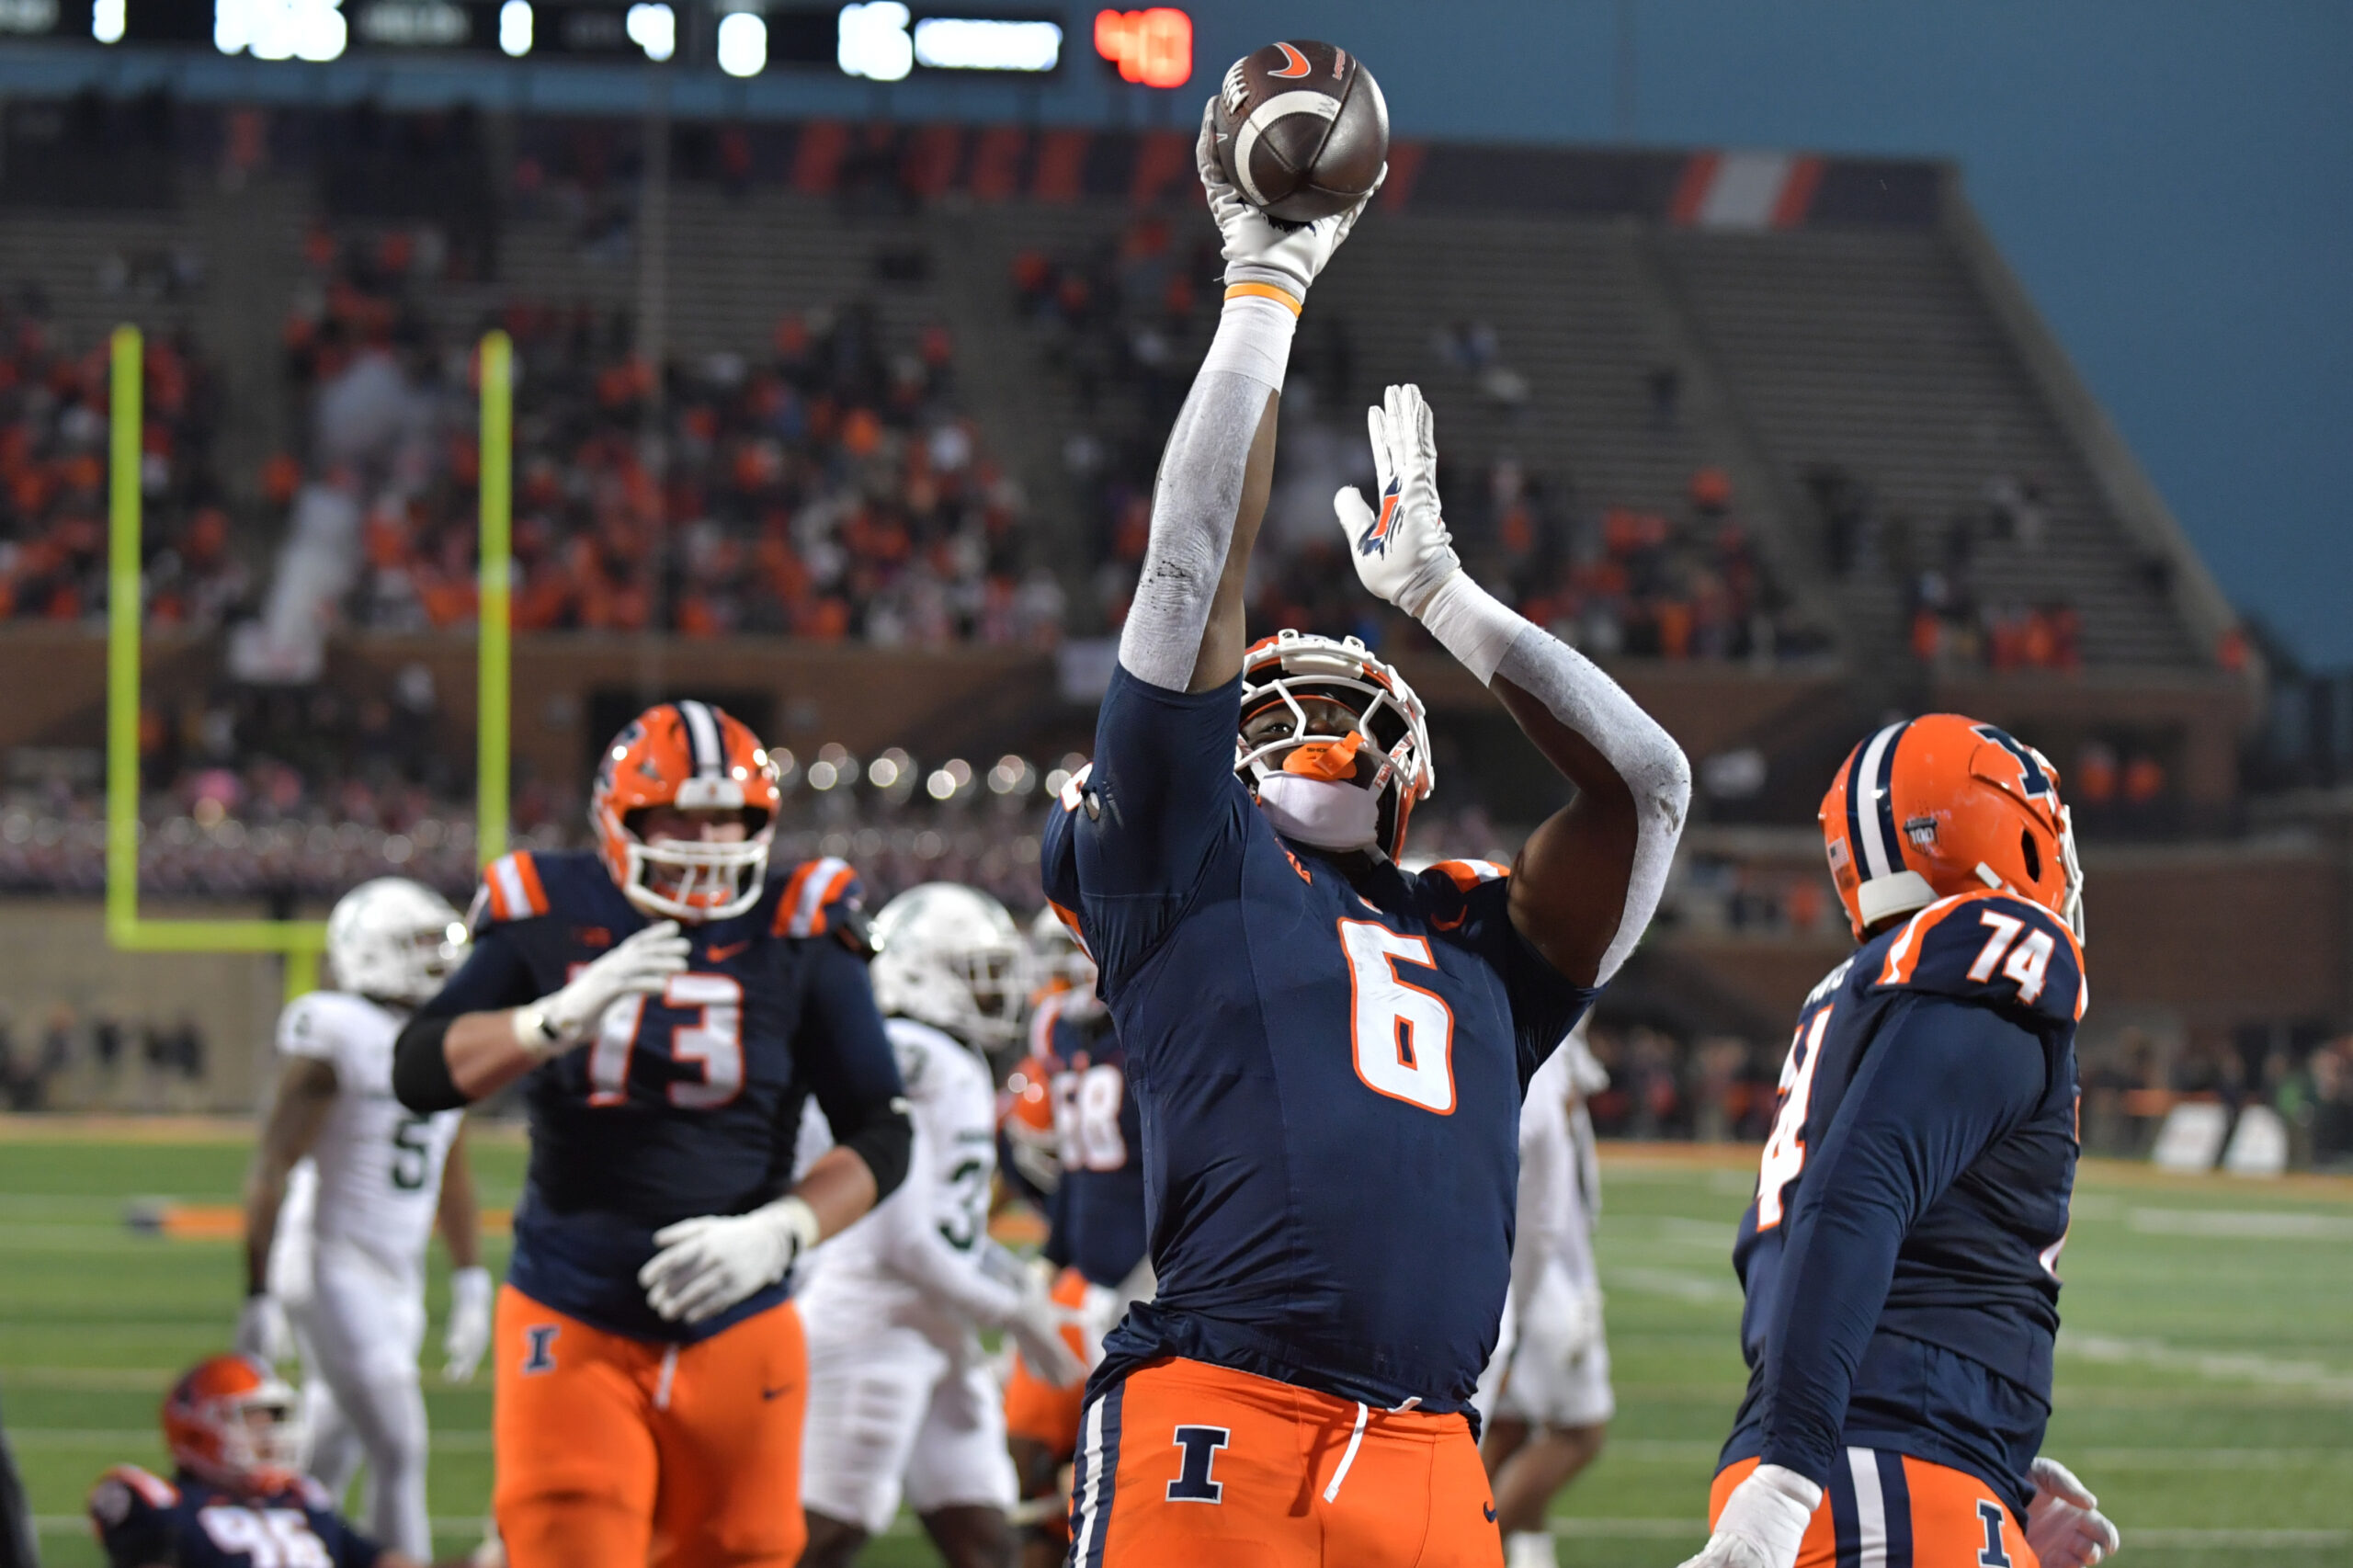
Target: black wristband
x=421, y=1077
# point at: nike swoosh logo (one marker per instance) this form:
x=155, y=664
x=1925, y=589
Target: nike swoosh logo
x=722, y=954
x=1297, y=67
x=1488, y=1509
x=777, y=1394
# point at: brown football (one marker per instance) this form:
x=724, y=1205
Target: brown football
x=1301, y=129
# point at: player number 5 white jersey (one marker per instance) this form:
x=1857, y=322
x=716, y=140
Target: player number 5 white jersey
x=378, y=1162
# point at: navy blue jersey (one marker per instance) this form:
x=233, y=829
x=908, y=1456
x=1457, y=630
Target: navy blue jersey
x=1900, y=1259
x=1328, y=1072
x=1098, y=1209
x=144, y=1522
x=685, y=1104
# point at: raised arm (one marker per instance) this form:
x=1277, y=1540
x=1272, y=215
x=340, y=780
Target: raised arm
x=1184, y=630
x=1589, y=877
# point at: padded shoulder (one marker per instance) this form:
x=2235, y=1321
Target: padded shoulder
x=1989, y=947
x=136, y=1515
x=144, y=1486
x=820, y=896
x=513, y=887
x=1445, y=892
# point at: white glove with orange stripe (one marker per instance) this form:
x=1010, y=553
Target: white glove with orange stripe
x=1403, y=551
x=640, y=965
x=1258, y=251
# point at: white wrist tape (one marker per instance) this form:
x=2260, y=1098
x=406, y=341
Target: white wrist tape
x=1470, y=623
x=1253, y=333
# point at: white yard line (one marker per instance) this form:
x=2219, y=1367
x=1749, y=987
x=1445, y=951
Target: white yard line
x=2245, y=1366
x=2241, y=1224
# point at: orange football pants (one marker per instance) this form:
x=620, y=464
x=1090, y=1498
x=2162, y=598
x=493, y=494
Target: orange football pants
x=1883, y=1507
x=1035, y=1408
x=621, y=1454
x=1184, y=1464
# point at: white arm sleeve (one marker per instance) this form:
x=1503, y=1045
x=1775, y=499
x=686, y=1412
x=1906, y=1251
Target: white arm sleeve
x=1198, y=491
x=1492, y=639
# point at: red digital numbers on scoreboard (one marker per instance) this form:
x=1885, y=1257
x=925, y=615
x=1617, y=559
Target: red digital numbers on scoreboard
x=1152, y=47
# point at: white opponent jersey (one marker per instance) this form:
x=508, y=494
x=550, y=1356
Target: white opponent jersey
x=923, y=1257
x=1560, y=1178
x=379, y=1182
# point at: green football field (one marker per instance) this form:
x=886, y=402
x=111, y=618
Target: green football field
x=2206, y=1374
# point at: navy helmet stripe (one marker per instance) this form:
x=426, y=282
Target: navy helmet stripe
x=702, y=736
x=1870, y=805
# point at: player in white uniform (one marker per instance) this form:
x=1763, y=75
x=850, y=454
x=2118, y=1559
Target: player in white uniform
x=901, y=1394
x=344, y=1192
x=1544, y=1399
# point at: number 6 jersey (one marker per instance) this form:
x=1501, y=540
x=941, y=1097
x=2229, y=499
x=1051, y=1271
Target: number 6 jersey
x=1329, y=1074
x=1901, y=1257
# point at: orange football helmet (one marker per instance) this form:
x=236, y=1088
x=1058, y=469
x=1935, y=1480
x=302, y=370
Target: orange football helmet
x=1025, y=1116
x=233, y=1420
x=691, y=756
x=1278, y=733
x=1942, y=804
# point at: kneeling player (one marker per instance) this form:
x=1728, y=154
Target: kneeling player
x=1901, y=1257
x=900, y=1399
x=235, y=1499
x=1545, y=1396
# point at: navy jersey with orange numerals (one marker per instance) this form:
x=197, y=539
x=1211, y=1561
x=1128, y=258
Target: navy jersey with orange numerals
x=685, y=1104
x=144, y=1522
x=1901, y=1257
x=1098, y=1132
x=1328, y=1073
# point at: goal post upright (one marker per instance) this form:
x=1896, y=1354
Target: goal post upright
x=300, y=942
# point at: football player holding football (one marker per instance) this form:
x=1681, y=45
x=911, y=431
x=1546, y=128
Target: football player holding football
x=1328, y=1054
x=1901, y=1258
x=237, y=1497
x=673, y=1005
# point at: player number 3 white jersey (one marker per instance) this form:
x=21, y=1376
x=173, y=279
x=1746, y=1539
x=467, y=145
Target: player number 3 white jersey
x=378, y=1162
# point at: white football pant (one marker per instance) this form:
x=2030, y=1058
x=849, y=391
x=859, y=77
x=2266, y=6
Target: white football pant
x=360, y=1327
x=890, y=1410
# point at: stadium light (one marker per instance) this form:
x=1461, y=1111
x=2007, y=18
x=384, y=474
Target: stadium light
x=106, y=20
x=873, y=41
x=515, y=28
x=300, y=942
x=1154, y=47
x=279, y=30
x=978, y=43
x=653, y=29
x=742, y=44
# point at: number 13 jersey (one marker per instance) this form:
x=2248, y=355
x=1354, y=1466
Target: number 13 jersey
x=1329, y=1074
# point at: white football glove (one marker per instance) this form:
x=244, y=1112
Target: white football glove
x=1763, y=1523
x=1403, y=551
x=643, y=963
x=467, y=1336
x=1257, y=249
x=2063, y=1523
x=708, y=1265
x=263, y=1332
x=1036, y=1327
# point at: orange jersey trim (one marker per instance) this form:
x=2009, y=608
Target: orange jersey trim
x=1903, y=956
x=814, y=885
x=513, y=883
x=158, y=1492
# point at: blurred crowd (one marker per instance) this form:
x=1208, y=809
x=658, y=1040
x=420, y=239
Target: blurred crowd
x=1124, y=322
x=54, y=404
x=151, y=1064
x=826, y=486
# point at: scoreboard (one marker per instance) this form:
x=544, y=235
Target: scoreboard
x=882, y=40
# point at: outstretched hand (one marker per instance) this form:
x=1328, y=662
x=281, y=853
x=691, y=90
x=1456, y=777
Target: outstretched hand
x=1258, y=249
x=1403, y=551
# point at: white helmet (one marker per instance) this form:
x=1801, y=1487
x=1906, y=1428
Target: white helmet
x=1061, y=965
x=395, y=940
x=950, y=956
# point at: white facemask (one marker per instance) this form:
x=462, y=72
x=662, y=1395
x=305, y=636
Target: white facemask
x=1319, y=811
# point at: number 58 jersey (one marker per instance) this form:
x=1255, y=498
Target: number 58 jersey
x=1329, y=1073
